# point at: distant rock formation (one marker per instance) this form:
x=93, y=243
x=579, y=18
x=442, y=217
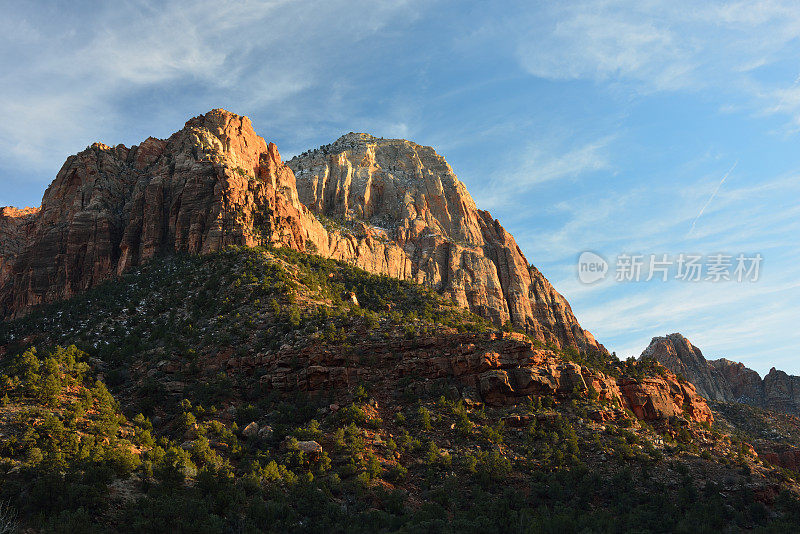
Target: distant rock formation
x=724, y=380
x=216, y=183
x=409, y=195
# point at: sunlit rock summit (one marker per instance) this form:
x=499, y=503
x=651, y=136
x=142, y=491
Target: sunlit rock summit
x=408, y=194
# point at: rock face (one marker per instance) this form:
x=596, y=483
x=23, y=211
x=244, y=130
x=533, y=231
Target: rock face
x=782, y=391
x=724, y=380
x=677, y=354
x=15, y=231
x=661, y=398
x=494, y=368
x=216, y=183
x=744, y=384
x=212, y=184
x=408, y=195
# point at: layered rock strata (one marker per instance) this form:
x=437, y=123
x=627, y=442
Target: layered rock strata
x=494, y=368
x=15, y=233
x=408, y=195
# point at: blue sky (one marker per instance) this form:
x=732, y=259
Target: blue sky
x=587, y=125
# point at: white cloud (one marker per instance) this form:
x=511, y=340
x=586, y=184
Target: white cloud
x=590, y=40
x=64, y=88
x=667, y=45
x=541, y=163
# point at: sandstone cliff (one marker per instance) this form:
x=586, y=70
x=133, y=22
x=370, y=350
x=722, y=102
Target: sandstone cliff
x=213, y=183
x=408, y=194
x=15, y=232
x=723, y=380
x=216, y=183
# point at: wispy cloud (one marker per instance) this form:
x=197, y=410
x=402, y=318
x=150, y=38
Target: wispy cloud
x=725, y=319
x=727, y=327
x=69, y=80
x=541, y=163
x=602, y=40
x=666, y=45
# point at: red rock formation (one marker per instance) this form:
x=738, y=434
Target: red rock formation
x=498, y=369
x=788, y=458
x=212, y=184
x=744, y=384
x=216, y=183
x=677, y=354
x=15, y=231
x=781, y=391
x=724, y=380
x=661, y=398
x=410, y=195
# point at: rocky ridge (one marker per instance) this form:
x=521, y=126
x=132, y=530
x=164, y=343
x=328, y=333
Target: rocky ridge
x=495, y=368
x=216, y=183
x=409, y=195
x=723, y=380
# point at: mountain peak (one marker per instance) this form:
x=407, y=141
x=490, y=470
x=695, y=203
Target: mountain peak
x=355, y=136
x=725, y=380
x=216, y=183
x=217, y=116
x=412, y=196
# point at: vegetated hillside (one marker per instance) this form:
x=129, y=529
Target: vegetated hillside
x=773, y=434
x=268, y=390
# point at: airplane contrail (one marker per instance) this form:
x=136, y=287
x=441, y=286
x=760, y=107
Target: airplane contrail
x=714, y=194
x=786, y=93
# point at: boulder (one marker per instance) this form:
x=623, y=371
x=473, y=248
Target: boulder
x=311, y=448
x=495, y=387
x=533, y=381
x=265, y=432
x=251, y=430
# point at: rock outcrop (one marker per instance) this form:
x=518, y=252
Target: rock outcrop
x=781, y=391
x=15, y=233
x=744, y=385
x=408, y=195
x=723, y=380
x=216, y=183
x=788, y=458
x=677, y=354
x=494, y=368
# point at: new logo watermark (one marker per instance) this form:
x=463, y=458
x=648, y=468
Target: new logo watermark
x=719, y=267
x=592, y=267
